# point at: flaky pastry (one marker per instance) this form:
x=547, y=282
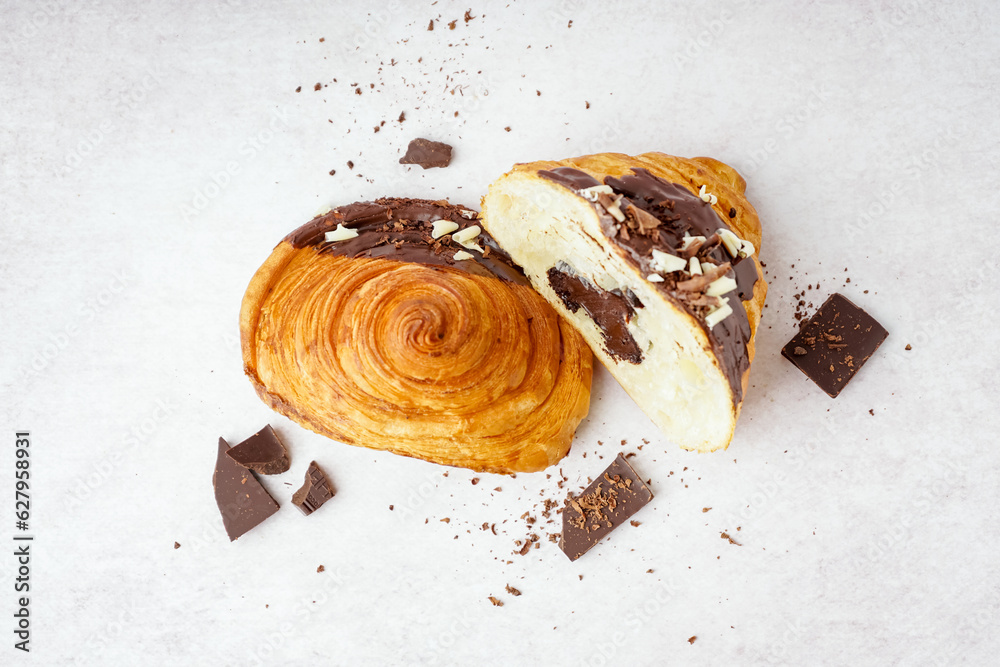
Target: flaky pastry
x=653, y=258
x=399, y=325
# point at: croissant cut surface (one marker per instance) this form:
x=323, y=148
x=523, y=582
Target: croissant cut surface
x=390, y=340
x=585, y=230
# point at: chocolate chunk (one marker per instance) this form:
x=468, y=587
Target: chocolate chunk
x=837, y=341
x=603, y=506
x=611, y=311
x=262, y=452
x=242, y=500
x=427, y=154
x=314, y=492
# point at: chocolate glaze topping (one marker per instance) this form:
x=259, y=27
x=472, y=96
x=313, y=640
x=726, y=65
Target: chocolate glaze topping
x=611, y=311
x=400, y=229
x=678, y=211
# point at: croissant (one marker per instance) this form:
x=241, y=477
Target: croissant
x=399, y=325
x=653, y=258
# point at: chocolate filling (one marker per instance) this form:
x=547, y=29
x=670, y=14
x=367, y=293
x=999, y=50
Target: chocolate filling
x=400, y=229
x=678, y=211
x=611, y=311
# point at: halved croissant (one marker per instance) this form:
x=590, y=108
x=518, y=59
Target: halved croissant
x=389, y=339
x=653, y=258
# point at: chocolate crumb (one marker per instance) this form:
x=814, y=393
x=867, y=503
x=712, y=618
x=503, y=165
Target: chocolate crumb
x=177, y=545
x=586, y=103
x=350, y=165
x=320, y=569
x=496, y=602
x=468, y=15
x=507, y=129
x=635, y=524
x=475, y=480
x=402, y=116
x=513, y=591
x=299, y=89
x=692, y=640
x=705, y=509
x=451, y=26
x=726, y=536
x=391, y=507
x=333, y=172
x=318, y=86
x=649, y=571
x=872, y=412
x=430, y=26
x=908, y=347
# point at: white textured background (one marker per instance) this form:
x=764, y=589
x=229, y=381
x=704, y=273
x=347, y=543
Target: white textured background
x=152, y=155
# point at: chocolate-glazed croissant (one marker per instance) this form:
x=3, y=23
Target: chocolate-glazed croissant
x=399, y=325
x=653, y=258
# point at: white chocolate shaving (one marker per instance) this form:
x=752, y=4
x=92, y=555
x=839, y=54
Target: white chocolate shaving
x=721, y=286
x=654, y=278
x=694, y=267
x=719, y=314
x=341, y=233
x=442, y=227
x=667, y=263
x=468, y=215
x=615, y=211
x=707, y=197
x=746, y=248
x=466, y=235
x=461, y=254
x=591, y=193
x=730, y=241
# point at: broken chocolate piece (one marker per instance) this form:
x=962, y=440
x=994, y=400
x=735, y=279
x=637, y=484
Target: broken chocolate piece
x=243, y=502
x=603, y=506
x=836, y=341
x=427, y=154
x=262, y=452
x=314, y=492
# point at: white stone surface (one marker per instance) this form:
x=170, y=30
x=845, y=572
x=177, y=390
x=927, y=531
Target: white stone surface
x=152, y=155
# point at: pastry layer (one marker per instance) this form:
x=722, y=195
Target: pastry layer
x=388, y=339
x=604, y=237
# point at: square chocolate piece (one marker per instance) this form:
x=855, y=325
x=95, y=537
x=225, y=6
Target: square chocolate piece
x=834, y=344
x=603, y=506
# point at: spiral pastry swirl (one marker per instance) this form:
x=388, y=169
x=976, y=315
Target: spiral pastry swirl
x=391, y=340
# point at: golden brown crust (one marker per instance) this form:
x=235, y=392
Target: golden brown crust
x=429, y=362
x=720, y=179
